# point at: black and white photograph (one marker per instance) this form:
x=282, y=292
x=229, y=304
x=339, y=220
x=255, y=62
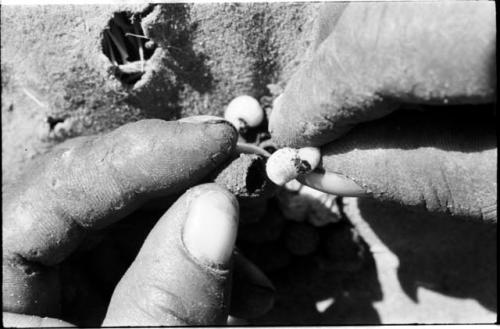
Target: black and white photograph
x=288, y=163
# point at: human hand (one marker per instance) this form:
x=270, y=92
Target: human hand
x=182, y=273
x=371, y=59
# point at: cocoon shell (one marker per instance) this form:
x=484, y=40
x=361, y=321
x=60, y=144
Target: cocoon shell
x=245, y=177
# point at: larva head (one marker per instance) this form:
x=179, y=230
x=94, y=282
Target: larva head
x=311, y=156
x=286, y=164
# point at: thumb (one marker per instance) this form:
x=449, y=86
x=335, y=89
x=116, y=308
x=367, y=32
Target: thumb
x=182, y=272
x=420, y=160
x=15, y=320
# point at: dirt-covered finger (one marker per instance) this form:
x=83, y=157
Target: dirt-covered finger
x=93, y=183
x=439, y=162
x=376, y=56
x=89, y=184
x=182, y=273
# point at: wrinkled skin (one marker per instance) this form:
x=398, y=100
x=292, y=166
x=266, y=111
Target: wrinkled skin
x=373, y=59
x=75, y=205
x=333, y=101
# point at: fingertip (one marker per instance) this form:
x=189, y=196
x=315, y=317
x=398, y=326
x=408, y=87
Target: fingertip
x=182, y=272
x=216, y=191
x=217, y=127
x=223, y=131
x=299, y=120
x=282, y=126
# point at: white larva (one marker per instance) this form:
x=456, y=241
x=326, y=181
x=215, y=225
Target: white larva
x=310, y=154
x=287, y=164
x=244, y=112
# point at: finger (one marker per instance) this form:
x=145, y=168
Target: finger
x=381, y=54
x=98, y=181
x=14, y=320
x=90, y=184
x=252, y=292
x=182, y=273
x=424, y=161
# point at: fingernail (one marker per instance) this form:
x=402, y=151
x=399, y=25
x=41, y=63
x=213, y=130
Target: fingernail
x=332, y=183
x=210, y=228
x=202, y=119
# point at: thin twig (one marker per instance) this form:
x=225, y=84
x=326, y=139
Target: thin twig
x=251, y=149
x=141, y=50
x=128, y=34
x=30, y=95
x=107, y=43
x=120, y=46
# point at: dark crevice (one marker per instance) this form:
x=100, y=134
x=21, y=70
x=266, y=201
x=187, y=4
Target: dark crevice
x=256, y=177
x=178, y=65
x=126, y=46
x=53, y=121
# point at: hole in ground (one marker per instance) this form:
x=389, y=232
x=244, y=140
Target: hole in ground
x=256, y=177
x=126, y=46
x=54, y=121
